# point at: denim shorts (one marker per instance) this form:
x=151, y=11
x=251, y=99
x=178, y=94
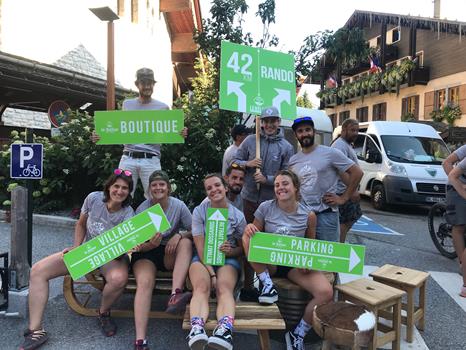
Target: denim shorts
x=228, y=261
x=328, y=226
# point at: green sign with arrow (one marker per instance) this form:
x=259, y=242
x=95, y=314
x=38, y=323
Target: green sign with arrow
x=115, y=242
x=273, y=249
x=215, y=234
x=131, y=127
x=252, y=79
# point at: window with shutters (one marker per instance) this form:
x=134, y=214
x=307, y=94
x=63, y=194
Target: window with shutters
x=454, y=95
x=343, y=116
x=439, y=99
x=134, y=11
x=379, y=111
x=333, y=119
x=362, y=114
x=410, y=106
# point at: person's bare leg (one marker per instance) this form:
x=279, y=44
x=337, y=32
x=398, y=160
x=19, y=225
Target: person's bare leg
x=116, y=277
x=200, y=280
x=344, y=228
x=226, y=281
x=179, y=263
x=144, y=272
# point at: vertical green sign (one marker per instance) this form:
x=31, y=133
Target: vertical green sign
x=252, y=79
x=115, y=242
x=273, y=249
x=215, y=235
x=130, y=127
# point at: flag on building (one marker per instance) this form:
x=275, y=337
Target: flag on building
x=375, y=66
x=331, y=82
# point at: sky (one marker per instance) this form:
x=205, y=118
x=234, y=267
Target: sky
x=296, y=19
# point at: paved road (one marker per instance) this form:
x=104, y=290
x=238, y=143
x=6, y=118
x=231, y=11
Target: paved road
x=446, y=313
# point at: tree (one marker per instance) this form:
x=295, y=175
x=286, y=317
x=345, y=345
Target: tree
x=304, y=101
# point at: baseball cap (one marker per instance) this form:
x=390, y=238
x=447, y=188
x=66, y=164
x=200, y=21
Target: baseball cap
x=239, y=129
x=270, y=112
x=145, y=74
x=159, y=175
x=302, y=120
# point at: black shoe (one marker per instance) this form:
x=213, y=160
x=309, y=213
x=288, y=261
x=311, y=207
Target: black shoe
x=141, y=344
x=197, y=338
x=251, y=295
x=221, y=339
x=269, y=295
x=294, y=341
x=34, y=339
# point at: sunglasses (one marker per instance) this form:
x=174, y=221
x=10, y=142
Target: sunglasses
x=302, y=119
x=236, y=166
x=119, y=171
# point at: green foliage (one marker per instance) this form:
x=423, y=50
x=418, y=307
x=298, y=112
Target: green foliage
x=304, y=101
x=449, y=113
x=408, y=117
x=346, y=47
x=73, y=165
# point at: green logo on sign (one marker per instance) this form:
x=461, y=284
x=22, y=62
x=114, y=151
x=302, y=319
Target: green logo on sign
x=130, y=127
x=252, y=79
x=115, y=242
x=273, y=249
x=215, y=235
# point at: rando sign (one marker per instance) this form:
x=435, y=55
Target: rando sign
x=252, y=79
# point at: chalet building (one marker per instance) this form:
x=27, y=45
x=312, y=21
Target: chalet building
x=422, y=70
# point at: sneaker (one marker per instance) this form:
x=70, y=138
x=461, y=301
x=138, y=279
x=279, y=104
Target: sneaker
x=141, y=344
x=463, y=292
x=34, y=339
x=178, y=301
x=197, y=338
x=251, y=295
x=294, y=341
x=221, y=339
x=106, y=324
x=269, y=295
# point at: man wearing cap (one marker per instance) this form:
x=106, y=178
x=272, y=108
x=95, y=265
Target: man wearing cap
x=238, y=134
x=275, y=153
x=318, y=168
x=142, y=159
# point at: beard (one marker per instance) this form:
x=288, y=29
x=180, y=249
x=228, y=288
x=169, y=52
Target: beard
x=235, y=189
x=306, y=141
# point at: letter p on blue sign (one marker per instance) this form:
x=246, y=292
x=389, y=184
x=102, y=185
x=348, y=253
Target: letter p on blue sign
x=26, y=161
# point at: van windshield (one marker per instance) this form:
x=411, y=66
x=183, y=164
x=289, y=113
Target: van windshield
x=414, y=149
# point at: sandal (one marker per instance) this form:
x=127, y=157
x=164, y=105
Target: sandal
x=463, y=292
x=34, y=339
x=106, y=324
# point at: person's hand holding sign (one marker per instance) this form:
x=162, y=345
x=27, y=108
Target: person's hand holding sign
x=260, y=178
x=94, y=137
x=250, y=230
x=170, y=248
x=226, y=248
x=156, y=240
x=184, y=132
x=254, y=163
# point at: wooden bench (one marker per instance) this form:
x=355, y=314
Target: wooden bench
x=248, y=316
x=78, y=299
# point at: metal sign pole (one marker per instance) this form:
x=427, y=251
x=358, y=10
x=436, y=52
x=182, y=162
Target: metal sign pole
x=29, y=187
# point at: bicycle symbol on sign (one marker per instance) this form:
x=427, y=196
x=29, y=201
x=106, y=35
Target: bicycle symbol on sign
x=31, y=170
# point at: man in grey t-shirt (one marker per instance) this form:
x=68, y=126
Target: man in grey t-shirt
x=350, y=211
x=318, y=169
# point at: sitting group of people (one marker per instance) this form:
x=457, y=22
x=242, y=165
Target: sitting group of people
x=180, y=249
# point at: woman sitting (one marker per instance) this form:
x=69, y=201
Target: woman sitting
x=100, y=212
x=287, y=216
x=222, y=279
x=166, y=251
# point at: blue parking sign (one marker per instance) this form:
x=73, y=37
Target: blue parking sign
x=26, y=161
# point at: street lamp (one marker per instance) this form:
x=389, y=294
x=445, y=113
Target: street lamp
x=106, y=14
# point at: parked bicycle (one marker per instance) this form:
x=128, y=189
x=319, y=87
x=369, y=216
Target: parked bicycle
x=440, y=230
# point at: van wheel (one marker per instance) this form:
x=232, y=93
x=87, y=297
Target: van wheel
x=378, y=198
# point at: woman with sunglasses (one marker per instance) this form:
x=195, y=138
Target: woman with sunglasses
x=287, y=216
x=166, y=251
x=222, y=279
x=100, y=212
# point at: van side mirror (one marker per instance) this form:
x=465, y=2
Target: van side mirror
x=373, y=156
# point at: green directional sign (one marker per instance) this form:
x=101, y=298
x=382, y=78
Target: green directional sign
x=273, y=249
x=252, y=79
x=215, y=235
x=115, y=242
x=131, y=127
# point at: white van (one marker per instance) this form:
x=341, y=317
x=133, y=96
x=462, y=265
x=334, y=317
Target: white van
x=402, y=163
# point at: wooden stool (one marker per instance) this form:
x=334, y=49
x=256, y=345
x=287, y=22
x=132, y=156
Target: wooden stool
x=343, y=323
x=408, y=280
x=376, y=297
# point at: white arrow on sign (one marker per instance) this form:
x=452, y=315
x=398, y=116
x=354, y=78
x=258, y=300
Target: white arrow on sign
x=234, y=87
x=282, y=96
x=354, y=259
x=156, y=220
x=217, y=216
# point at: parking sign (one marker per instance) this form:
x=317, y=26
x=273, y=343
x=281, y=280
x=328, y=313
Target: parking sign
x=26, y=161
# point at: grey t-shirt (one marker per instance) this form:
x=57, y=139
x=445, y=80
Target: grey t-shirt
x=318, y=173
x=177, y=214
x=235, y=227
x=237, y=203
x=99, y=218
x=341, y=144
x=461, y=154
x=228, y=157
x=134, y=104
x=278, y=221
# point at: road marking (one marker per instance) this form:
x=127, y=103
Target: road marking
x=417, y=344
x=367, y=225
x=450, y=283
